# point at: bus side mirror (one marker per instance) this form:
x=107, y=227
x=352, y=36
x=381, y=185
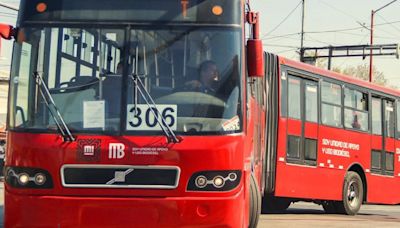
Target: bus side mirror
x=7, y=31
x=255, y=58
x=255, y=53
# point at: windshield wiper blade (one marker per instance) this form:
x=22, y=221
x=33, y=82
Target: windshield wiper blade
x=55, y=113
x=169, y=133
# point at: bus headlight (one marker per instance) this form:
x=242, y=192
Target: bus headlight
x=201, y=181
x=218, y=182
x=224, y=180
x=40, y=179
x=24, y=177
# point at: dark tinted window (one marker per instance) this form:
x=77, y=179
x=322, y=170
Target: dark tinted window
x=376, y=160
x=311, y=149
x=293, y=147
x=389, y=161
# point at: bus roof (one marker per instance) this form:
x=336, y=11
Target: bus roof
x=337, y=76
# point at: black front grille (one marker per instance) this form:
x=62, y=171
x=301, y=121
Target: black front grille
x=120, y=176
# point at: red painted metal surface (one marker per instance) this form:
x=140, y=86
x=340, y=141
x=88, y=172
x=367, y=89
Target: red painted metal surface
x=338, y=150
x=81, y=206
x=255, y=58
x=77, y=211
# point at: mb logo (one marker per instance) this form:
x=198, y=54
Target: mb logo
x=116, y=151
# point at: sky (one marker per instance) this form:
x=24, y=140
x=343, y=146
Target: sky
x=281, y=27
x=322, y=17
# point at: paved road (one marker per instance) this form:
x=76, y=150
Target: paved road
x=311, y=215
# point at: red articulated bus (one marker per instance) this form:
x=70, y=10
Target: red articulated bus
x=135, y=114
x=332, y=139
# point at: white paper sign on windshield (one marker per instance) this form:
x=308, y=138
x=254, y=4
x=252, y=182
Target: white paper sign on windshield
x=93, y=114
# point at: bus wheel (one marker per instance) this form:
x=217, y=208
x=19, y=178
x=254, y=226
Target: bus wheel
x=329, y=207
x=255, y=203
x=353, y=194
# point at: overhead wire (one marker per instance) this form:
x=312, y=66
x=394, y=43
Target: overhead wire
x=284, y=51
x=281, y=36
x=363, y=35
x=391, y=25
x=283, y=21
x=278, y=45
x=319, y=41
x=357, y=20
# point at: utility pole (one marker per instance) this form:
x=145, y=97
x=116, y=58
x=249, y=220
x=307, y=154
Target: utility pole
x=372, y=38
x=302, y=33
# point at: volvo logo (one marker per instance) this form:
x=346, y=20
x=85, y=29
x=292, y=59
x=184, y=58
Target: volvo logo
x=119, y=176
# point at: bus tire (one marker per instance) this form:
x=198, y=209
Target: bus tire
x=352, y=196
x=329, y=207
x=255, y=203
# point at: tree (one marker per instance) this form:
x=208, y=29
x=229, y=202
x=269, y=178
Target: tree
x=360, y=71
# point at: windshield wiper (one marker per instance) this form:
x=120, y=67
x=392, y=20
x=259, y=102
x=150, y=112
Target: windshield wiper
x=139, y=86
x=55, y=113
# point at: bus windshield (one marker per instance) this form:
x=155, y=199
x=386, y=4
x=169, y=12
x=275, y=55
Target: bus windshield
x=128, y=80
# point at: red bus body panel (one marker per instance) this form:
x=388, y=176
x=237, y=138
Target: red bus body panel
x=82, y=207
x=334, y=155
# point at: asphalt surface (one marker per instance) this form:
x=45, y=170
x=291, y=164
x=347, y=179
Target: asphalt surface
x=311, y=215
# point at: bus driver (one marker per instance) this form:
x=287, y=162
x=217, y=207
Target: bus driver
x=208, y=79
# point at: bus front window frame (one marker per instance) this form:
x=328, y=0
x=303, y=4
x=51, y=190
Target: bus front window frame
x=109, y=71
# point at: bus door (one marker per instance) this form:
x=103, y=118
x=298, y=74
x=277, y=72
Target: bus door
x=383, y=133
x=302, y=128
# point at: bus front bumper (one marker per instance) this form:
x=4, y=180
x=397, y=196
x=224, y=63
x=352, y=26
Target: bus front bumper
x=67, y=211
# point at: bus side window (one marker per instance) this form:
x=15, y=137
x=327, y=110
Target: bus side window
x=389, y=118
x=331, y=104
x=356, y=110
x=283, y=95
x=294, y=109
x=376, y=116
x=398, y=118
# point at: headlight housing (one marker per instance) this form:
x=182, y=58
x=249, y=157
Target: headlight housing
x=25, y=177
x=224, y=180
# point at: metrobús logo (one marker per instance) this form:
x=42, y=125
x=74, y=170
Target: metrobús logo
x=88, y=150
x=116, y=151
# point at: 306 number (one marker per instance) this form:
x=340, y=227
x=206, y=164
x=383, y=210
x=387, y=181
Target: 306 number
x=143, y=117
